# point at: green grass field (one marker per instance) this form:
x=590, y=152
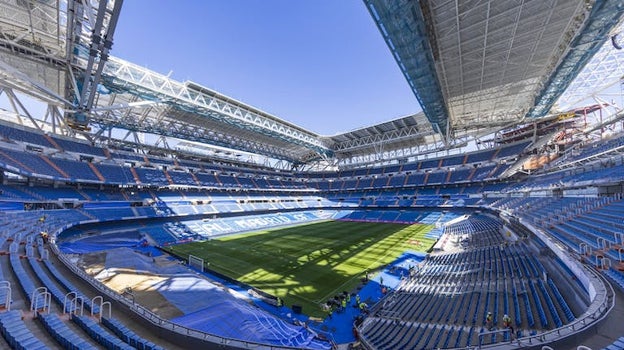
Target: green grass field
x=308, y=264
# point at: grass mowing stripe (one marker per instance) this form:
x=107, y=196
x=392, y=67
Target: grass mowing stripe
x=374, y=264
x=308, y=264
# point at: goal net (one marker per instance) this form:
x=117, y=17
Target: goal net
x=196, y=262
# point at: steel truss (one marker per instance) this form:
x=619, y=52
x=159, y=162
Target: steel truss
x=87, y=56
x=39, y=41
x=122, y=76
x=435, y=148
x=379, y=140
x=601, y=74
x=34, y=28
x=57, y=51
x=411, y=39
x=603, y=16
x=155, y=120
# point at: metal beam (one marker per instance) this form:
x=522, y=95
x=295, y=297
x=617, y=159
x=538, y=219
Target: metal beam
x=602, y=73
x=122, y=76
x=603, y=16
x=32, y=28
x=405, y=29
x=185, y=131
x=88, y=61
x=387, y=137
x=420, y=151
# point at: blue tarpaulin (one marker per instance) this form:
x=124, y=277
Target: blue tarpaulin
x=210, y=309
x=98, y=243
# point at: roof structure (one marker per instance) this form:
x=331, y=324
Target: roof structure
x=481, y=65
x=476, y=66
x=190, y=111
x=603, y=71
x=59, y=51
x=401, y=137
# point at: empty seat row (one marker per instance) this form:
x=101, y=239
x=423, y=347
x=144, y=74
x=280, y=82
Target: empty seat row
x=27, y=284
x=618, y=344
x=562, y=303
x=550, y=304
x=16, y=333
x=128, y=336
x=99, y=334
x=70, y=286
x=62, y=333
x=56, y=294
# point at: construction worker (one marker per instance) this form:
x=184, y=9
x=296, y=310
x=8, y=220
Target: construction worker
x=363, y=307
x=489, y=321
x=343, y=303
x=348, y=297
x=507, y=323
x=357, y=299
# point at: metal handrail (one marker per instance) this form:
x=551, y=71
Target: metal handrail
x=600, y=308
x=148, y=315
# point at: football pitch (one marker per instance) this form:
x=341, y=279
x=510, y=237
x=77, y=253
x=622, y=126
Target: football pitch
x=308, y=264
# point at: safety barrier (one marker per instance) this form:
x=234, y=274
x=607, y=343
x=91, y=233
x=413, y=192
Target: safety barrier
x=147, y=314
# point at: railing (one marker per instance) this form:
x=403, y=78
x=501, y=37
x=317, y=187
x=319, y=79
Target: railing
x=148, y=315
x=597, y=311
x=601, y=305
x=495, y=333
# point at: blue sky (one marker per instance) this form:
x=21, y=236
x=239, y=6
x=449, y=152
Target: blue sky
x=320, y=64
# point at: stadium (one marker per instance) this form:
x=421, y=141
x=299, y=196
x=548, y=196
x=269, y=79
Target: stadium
x=142, y=212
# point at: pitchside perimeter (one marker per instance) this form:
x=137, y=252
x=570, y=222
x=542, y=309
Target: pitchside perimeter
x=307, y=265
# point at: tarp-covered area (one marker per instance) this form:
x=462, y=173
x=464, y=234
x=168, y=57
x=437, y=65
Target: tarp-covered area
x=228, y=317
x=210, y=309
x=96, y=243
x=200, y=303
